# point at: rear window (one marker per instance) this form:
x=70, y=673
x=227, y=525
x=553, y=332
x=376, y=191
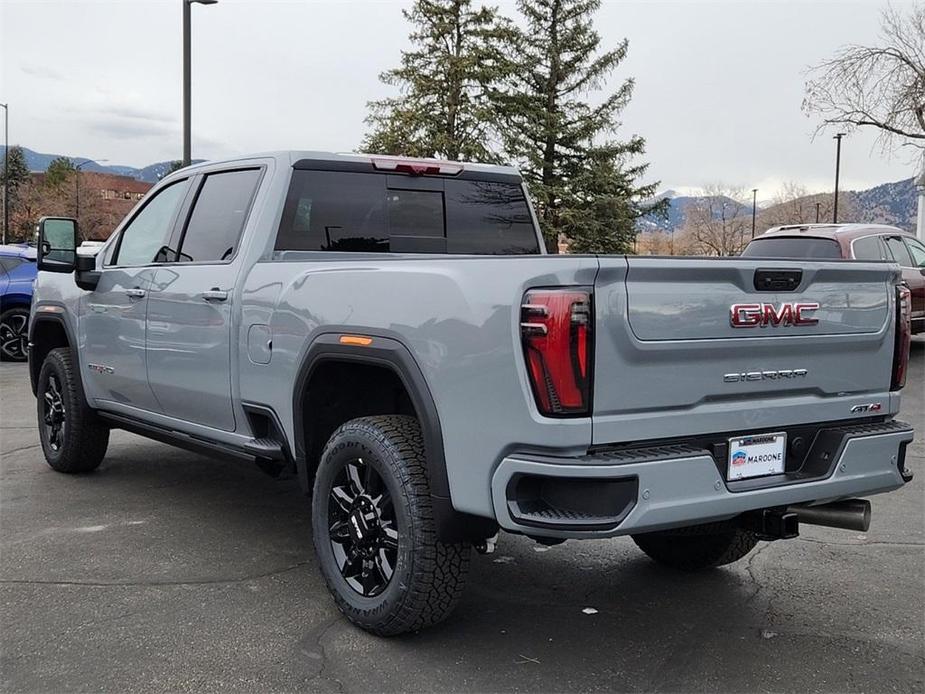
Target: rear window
x=378, y=213
x=792, y=247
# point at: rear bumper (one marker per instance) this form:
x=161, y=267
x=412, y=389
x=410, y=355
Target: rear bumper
x=645, y=489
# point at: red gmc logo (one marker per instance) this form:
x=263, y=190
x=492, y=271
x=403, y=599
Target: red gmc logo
x=762, y=315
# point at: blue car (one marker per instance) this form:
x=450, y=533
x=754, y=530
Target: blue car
x=17, y=273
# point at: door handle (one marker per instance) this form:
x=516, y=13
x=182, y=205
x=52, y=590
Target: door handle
x=215, y=294
x=135, y=293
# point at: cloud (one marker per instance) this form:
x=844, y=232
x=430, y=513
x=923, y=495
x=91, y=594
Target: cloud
x=41, y=72
x=126, y=129
x=135, y=113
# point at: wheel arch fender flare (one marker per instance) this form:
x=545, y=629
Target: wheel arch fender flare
x=387, y=350
x=42, y=318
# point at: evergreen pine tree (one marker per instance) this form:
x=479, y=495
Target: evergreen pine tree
x=583, y=181
x=18, y=170
x=443, y=109
x=13, y=176
x=59, y=172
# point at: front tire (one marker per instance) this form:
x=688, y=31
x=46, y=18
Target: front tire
x=697, y=547
x=374, y=530
x=73, y=437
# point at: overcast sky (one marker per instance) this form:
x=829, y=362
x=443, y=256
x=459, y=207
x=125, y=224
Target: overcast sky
x=718, y=84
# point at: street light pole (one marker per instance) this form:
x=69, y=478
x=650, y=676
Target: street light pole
x=6, y=169
x=754, y=209
x=187, y=78
x=77, y=169
x=837, y=138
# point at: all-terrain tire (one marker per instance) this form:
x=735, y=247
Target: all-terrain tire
x=428, y=575
x=79, y=443
x=697, y=547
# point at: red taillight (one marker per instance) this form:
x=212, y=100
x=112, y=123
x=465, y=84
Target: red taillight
x=903, y=336
x=555, y=326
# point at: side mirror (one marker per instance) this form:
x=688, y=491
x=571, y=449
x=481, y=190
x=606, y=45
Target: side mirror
x=57, y=250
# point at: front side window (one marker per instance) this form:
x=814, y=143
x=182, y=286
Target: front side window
x=917, y=250
x=218, y=216
x=898, y=250
x=146, y=235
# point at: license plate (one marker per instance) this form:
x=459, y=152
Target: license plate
x=756, y=456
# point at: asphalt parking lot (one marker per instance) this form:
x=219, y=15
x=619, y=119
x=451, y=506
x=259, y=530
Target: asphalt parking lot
x=165, y=570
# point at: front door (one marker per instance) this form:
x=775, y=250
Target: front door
x=112, y=317
x=190, y=309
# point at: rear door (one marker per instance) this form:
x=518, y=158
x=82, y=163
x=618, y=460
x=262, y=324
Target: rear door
x=696, y=345
x=190, y=303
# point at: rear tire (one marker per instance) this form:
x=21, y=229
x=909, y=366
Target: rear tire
x=697, y=547
x=374, y=531
x=73, y=437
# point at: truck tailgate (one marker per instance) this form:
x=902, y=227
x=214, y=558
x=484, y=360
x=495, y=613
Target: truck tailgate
x=670, y=361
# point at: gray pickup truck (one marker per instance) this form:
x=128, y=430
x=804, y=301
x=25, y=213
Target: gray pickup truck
x=393, y=333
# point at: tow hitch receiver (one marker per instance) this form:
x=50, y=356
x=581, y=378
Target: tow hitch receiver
x=772, y=524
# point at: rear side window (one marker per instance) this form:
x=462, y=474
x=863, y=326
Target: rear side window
x=868, y=248
x=346, y=211
x=793, y=247
x=218, y=216
x=898, y=250
x=10, y=263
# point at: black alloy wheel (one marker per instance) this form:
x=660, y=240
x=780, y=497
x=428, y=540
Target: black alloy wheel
x=362, y=528
x=54, y=413
x=14, y=334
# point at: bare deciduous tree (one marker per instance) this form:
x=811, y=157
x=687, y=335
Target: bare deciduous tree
x=716, y=223
x=882, y=87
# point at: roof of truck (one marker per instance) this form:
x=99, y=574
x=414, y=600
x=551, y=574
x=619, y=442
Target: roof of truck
x=293, y=157
x=831, y=231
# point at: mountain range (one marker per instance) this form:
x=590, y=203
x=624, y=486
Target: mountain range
x=894, y=203
x=152, y=173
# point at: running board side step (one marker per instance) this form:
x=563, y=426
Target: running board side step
x=267, y=448
x=174, y=438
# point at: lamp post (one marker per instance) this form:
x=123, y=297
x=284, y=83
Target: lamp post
x=837, y=139
x=77, y=168
x=187, y=75
x=6, y=169
x=754, y=209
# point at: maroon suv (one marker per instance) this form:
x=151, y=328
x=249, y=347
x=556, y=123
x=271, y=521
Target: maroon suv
x=851, y=242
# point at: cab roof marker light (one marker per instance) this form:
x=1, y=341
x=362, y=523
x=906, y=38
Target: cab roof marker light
x=417, y=167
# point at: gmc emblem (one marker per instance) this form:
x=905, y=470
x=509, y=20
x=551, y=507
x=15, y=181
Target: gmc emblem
x=763, y=315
